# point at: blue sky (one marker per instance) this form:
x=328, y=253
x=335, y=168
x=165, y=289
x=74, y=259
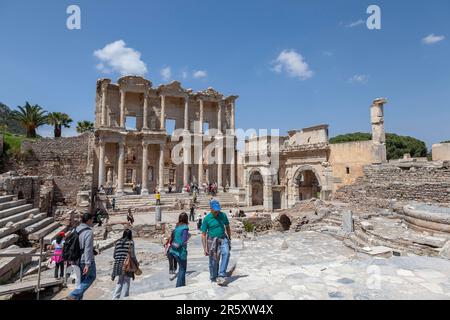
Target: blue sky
x=336, y=70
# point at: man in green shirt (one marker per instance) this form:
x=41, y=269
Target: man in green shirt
x=217, y=243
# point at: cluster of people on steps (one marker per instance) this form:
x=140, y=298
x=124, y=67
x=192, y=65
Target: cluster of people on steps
x=76, y=252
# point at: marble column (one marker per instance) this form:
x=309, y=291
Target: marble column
x=201, y=117
x=122, y=108
x=219, y=117
x=121, y=168
x=101, y=164
x=163, y=112
x=186, y=113
x=186, y=160
x=145, y=113
x=233, y=168
x=104, y=91
x=220, y=164
x=233, y=116
x=144, y=190
x=200, y=167
x=161, y=168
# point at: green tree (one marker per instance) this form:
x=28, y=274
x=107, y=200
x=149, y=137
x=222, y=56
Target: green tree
x=59, y=120
x=7, y=124
x=396, y=146
x=448, y=141
x=30, y=117
x=84, y=126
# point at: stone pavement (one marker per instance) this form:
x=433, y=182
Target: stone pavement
x=313, y=266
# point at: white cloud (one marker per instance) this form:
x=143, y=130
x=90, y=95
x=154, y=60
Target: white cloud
x=117, y=57
x=356, y=23
x=166, y=73
x=432, y=39
x=199, y=74
x=184, y=74
x=359, y=78
x=293, y=64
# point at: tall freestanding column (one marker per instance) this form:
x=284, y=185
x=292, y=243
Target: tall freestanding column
x=145, y=113
x=161, y=168
x=121, y=167
x=186, y=113
x=201, y=117
x=378, y=133
x=144, y=190
x=186, y=160
x=122, y=108
x=163, y=112
x=233, y=167
x=101, y=164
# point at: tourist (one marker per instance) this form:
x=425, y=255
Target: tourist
x=124, y=246
x=98, y=217
x=171, y=258
x=178, y=248
x=130, y=217
x=87, y=261
x=158, y=198
x=170, y=188
x=57, y=247
x=101, y=189
x=199, y=221
x=217, y=243
x=113, y=204
x=192, y=213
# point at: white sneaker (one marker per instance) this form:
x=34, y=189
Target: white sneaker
x=221, y=281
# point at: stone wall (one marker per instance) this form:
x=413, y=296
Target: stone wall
x=64, y=160
x=26, y=187
x=401, y=180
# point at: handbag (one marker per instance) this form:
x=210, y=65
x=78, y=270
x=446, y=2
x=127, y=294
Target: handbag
x=130, y=265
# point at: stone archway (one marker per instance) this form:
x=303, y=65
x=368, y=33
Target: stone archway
x=307, y=183
x=256, y=184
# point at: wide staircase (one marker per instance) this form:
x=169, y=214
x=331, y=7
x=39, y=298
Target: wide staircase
x=168, y=201
x=22, y=227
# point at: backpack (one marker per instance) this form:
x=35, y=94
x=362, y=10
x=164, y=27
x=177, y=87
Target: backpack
x=71, y=250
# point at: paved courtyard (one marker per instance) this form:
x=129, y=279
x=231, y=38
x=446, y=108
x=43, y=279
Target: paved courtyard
x=313, y=266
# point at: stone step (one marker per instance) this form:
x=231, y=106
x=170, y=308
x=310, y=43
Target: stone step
x=11, y=211
x=11, y=265
x=18, y=217
x=35, y=236
x=11, y=204
x=52, y=235
x=8, y=240
x=8, y=198
x=39, y=225
x=5, y=231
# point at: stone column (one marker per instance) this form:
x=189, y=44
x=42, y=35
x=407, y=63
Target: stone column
x=186, y=160
x=220, y=164
x=121, y=168
x=163, y=112
x=268, y=193
x=201, y=116
x=144, y=190
x=219, y=117
x=200, y=167
x=104, y=91
x=186, y=113
x=145, y=116
x=161, y=168
x=233, y=116
x=122, y=108
x=101, y=164
x=233, y=168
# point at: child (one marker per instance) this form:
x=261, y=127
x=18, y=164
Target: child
x=57, y=246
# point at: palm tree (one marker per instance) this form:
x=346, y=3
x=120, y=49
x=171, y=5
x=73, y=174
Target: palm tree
x=59, y=120
x=84, y=126
x=30, y=117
